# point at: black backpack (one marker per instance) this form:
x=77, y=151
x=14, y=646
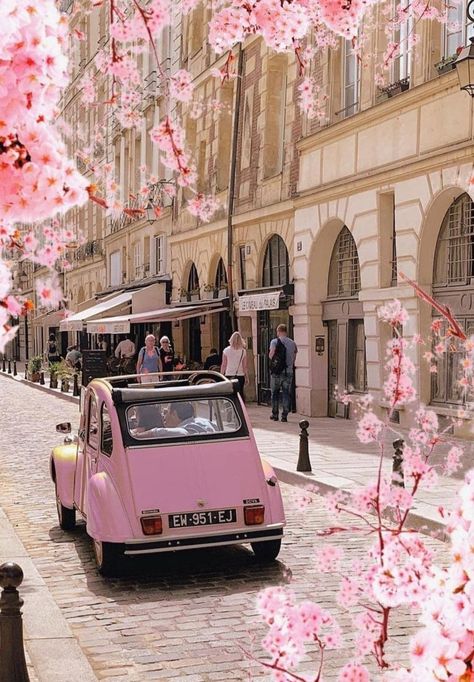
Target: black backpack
x=278, y=361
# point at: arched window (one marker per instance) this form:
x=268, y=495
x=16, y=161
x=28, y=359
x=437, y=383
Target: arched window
x=221, y=276
x=193, y=280
x=276, y=264
x=344, y=271
x=454, y=257
x=453, y=274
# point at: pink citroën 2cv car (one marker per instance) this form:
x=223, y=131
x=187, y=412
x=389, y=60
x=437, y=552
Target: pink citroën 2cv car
x=166, y=466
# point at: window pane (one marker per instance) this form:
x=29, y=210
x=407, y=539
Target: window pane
x=181, y=419
x=106, y=432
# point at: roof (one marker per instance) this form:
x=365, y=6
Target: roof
x=124, y=390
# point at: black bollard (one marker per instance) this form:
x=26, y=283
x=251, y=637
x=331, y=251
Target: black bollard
x=9, y=366
x=12, y=654
x=303, y=460
x=75, y=388
x=397, y=466
x=41, y=378
x=4, y=366
x=14, y=368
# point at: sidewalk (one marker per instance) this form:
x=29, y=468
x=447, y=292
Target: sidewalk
x=338, y=459
x=53, y=653
x=340, y=462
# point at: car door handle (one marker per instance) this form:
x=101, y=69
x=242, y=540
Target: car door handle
x=94, y=460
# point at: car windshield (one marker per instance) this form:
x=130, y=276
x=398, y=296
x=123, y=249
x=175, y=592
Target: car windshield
x=203, y=417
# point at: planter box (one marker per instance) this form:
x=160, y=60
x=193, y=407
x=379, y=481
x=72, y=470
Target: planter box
x=34, y=377
x=446, y=67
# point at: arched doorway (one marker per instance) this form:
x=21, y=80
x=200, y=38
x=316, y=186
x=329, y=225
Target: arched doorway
x=194, y=323
x=275, y=273
x=343, y=316
x=453, y=286
x=224, y=329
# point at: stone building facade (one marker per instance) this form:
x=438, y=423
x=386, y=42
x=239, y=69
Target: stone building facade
x=317, y=219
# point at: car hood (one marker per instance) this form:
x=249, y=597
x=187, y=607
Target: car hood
x=210, y=475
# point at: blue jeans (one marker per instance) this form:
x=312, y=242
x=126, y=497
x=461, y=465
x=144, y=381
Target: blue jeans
x=281, y=381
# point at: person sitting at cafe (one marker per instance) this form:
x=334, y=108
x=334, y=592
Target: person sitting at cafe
x=213, y=360
x=74, y=358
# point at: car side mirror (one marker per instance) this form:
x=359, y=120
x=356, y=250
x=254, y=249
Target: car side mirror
x=64, y=427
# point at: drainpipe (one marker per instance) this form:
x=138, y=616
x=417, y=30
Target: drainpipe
x=231, y=202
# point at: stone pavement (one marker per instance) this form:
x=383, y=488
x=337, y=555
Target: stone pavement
x=338, y=459
x=184, y=616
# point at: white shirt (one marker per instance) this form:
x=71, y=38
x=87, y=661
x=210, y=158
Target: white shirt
x=125, y=349
x=235, y=362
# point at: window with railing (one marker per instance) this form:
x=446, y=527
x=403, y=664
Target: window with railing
x=344, y=270
x=457, y=29
x=400, y=68
x=350, y=80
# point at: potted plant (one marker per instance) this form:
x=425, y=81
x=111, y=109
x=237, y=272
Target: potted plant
x=53, y=374
x=208, y=290
x=183, y=294
x=194, y=295
x=447, y=63
x=65, y=374
x=34, y=368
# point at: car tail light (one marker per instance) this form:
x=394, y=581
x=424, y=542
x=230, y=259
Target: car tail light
x=254, y=515
x=152, y=525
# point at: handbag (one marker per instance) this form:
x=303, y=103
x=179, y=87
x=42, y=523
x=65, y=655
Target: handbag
x=238, y=367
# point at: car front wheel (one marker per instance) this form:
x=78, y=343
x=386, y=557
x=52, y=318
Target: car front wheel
x=66, y=516
x=108, y=557
x=266, y=551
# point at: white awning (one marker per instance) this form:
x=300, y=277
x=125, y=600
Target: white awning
x=75, y=323
x=121, y=323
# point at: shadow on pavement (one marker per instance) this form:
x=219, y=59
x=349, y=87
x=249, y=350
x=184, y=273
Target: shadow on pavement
x=221, y=570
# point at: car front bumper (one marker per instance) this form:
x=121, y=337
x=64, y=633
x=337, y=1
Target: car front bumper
x=135, y=547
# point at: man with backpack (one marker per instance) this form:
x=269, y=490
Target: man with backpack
x=282, y=362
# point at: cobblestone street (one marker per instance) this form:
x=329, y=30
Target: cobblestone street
x=186, y=616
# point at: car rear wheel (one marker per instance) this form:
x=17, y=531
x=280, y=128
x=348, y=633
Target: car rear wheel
x=108, y=557
x=266, y=551
x=66, y=516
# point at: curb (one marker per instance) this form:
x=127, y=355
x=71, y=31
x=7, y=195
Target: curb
x=46, y=389
x=414, y=521
x=52, y=650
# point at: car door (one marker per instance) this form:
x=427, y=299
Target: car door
x=91, y=446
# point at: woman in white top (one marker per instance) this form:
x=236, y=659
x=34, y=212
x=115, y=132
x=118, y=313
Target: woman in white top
x=234, y=361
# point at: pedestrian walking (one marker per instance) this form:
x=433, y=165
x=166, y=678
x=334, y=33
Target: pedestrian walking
x=125, y=352
x=282, y=356
x=167, y=357
x=234, y=361
x=52, y=349
x=149, y=361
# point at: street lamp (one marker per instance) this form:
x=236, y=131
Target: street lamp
x=465, y=66
x=157, y=198
x=150, y=213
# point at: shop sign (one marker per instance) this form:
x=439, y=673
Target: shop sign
x=265, y=301
x=105, y=327
x=94, y=365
